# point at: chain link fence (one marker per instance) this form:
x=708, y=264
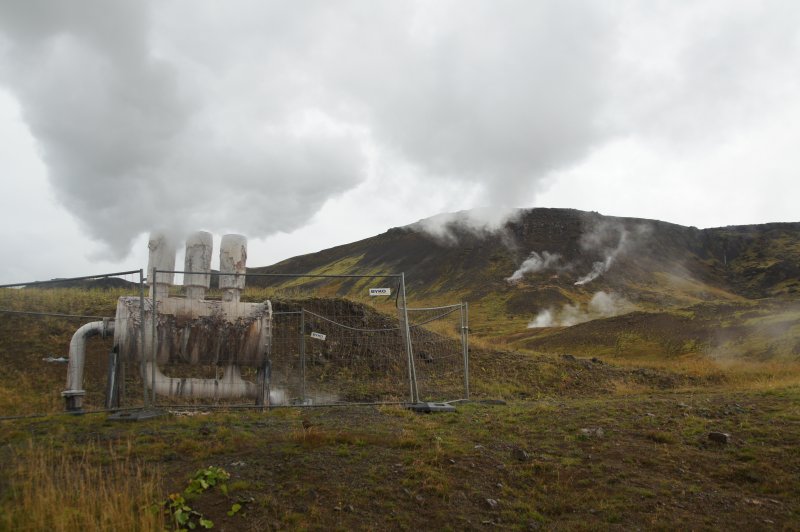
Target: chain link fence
x=441, y=352
x=37, y=323
x=330, y=339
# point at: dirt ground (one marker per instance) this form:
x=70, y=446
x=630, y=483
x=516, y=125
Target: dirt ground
x=634, y=461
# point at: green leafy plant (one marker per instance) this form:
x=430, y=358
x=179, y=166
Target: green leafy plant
x=182, y=516
x=235, y=507
x=207, y=478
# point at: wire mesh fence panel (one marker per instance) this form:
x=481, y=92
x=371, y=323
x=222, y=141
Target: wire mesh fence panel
x=330, y=340
x=284, y=340
x=345, y=344
x=336, y=339
x=38, y=321
x=438, y=339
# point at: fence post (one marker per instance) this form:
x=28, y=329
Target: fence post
x=465, y=345
x=303, y=352
x=464, y=350
x=153, y=356
x=412, y=372
x=143, y=338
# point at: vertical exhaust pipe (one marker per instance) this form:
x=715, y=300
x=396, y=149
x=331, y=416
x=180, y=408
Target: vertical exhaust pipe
x=233, y=262
x=199, y=247
x=162, y=257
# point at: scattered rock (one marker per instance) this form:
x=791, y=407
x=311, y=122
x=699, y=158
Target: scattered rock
x=492, y=503
x=420, y=498
x=238, y=464
x=719, y=437
x=599, y=432
x=569, y=358
x=520, y=454
x=452, y=461
x=479, y=446
x=596, y=360
x=349, y=508
x=499, y=485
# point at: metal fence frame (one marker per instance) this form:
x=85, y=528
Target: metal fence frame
x=400, y=304
x=57, y=281
x=150, y=400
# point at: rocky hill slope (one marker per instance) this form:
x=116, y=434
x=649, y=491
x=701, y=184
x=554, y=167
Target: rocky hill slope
x=546, y=269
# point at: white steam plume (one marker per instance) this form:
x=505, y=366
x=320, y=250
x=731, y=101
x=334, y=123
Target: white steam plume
x=543, y=319
x=610, y=239
x=482, y=222
x=602, y=305
x=535, y=263
x=179, y=114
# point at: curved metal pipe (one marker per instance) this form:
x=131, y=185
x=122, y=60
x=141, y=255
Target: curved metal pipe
x=73, y=395
x=230, y=385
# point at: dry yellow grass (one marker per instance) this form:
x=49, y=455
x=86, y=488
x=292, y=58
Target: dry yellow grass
x=739, y=374
x=55, y=491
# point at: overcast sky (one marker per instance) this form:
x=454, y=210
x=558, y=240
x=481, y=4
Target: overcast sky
x=308, y=124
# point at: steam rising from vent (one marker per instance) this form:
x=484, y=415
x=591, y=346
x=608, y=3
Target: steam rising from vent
x=602, y=305
x=535, y=263
x=481, y=222
x=598, y=269
x=611, y=240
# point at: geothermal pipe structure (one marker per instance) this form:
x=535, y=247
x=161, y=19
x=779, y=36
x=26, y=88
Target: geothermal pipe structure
x=189, y=330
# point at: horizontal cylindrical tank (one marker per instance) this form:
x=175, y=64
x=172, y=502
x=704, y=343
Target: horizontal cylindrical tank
x=195, y=331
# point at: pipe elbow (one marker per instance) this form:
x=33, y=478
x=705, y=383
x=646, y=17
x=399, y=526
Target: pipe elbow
x=73, y=395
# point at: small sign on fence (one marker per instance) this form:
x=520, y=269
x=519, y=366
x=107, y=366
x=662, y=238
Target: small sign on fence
x=318, y=336
x=380, y=291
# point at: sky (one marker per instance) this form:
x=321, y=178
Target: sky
x=308, y=124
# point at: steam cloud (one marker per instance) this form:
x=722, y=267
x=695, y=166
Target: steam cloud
x=602, y=305
x=535, y=263
x=185, y=116
x=611, y=240
x=481, y=222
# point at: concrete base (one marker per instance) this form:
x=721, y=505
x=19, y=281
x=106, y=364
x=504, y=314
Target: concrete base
x=135, y=415
x=427, y=408
x=73, y=400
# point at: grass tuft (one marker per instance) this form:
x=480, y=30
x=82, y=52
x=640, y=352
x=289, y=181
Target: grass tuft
x=49, y=490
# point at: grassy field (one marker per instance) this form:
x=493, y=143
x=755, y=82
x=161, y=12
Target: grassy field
x=615, y=442
x=619, y=460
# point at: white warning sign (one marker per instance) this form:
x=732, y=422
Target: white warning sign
x=318, y=336
x=380, y=291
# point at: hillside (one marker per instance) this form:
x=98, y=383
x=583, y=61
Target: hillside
x=556, y=268
x=655, y=260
